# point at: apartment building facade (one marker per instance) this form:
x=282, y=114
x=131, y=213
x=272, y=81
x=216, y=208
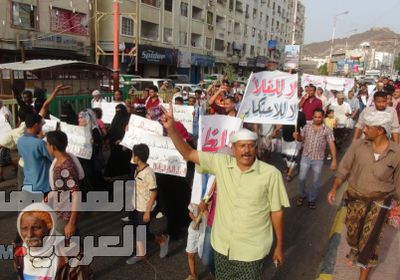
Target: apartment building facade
x=192, y=37
x=45, y=29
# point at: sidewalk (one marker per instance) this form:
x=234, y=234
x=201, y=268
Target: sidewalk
x=334, y=267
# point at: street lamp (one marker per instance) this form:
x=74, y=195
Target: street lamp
x=333, y=32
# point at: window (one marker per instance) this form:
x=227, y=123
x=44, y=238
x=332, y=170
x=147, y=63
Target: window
x=168, y=5
x=183, y=38
x=168, y=35
x=150, y=30
x=67, y=21
x=197, y=13
x=184, y=9
x=219, y=45
x=210, y=18
x=127, y=26
x=252, y=50
x=155, y=3
x=208, y=43
x=24, y=15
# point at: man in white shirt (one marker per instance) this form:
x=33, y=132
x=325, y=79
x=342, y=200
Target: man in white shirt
x=97, y=99
x=342, y=111
x=321, y=96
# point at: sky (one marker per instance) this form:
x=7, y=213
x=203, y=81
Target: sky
x=363, y=15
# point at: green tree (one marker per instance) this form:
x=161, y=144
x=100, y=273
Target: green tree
x=229, y=72
x=397, y=62
x=323, y=69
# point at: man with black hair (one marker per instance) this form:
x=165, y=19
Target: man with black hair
x=309, y=103
x=179, y=100
x=153, y=100
x=64, y=176
x=380, y=105
x=36, y=158
x=315, y=137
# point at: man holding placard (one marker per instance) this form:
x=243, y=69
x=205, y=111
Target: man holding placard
x=250, y=198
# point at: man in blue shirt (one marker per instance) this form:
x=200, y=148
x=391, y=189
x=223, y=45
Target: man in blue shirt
x=37, y=159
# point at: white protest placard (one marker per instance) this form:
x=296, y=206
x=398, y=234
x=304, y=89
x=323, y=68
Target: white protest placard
x=271, y=98
x=49, y=125
x=53, y=118
x=183, y=114
x=5, y=126
x=163, y=158
x=108, y=109
x=79, y=140
x=215, y=135
x=348, y=85
x=143, y=124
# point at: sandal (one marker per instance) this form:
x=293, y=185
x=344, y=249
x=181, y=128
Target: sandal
x=300, y=201
x=312, y=205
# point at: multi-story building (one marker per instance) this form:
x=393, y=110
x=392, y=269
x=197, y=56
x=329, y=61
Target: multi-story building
x=41, y=26
x=192, y=37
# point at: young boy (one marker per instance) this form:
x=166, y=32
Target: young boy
x=65, y=173
x=144, y=201
x=192, y=241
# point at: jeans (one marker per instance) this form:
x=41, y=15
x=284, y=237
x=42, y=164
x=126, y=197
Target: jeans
x=316, y=165
x=208, y=252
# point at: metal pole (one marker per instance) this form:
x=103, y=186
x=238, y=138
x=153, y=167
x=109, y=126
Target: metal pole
x=333, y=38
x=116, y=45
x=294, y=23
x=138, y=22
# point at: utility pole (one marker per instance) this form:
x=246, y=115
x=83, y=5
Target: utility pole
x=116, y=46
x=294, y=23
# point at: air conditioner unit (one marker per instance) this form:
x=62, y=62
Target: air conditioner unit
x=263, y=1
x=209, y=53
x=210, y=27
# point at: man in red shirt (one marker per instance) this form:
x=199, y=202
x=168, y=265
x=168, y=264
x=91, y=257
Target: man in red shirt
x=309, y=103
x=153, y=100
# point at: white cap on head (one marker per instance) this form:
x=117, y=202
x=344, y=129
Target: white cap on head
x=379, y=118
x=96, y=93
x=244, y=134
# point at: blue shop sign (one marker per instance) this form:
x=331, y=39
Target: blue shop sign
x=203, y=60
x=272, y=44
x=156, y=55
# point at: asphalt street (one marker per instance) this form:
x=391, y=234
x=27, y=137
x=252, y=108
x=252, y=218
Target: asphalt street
x=306, y=238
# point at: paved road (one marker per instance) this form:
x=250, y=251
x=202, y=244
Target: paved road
x=306, y=237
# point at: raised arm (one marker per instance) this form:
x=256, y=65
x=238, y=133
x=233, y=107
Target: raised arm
x=46, y=104
x=188, y=153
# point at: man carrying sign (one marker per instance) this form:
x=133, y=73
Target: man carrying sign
x=250, y=198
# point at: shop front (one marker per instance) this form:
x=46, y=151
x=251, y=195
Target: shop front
x=157, y=61
x=201, y=65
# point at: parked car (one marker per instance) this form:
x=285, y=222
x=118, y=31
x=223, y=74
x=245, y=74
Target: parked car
x=139, y=84
x=178, y=78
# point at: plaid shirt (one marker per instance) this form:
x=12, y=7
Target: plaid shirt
x=314, y=141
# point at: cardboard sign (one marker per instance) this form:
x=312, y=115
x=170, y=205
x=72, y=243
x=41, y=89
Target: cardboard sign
x=79, y=140
x=270, y=98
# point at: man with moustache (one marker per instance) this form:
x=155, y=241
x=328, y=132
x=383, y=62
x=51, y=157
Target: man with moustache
x=251, y=195
x=371, y=167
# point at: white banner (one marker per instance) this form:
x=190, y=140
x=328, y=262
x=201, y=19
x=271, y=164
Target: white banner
x=108, y=109
x=183, y=114
x=79, y=140
x=139, y=123
x=164, y=158
x=328, y=83
x=215, y=135
x=49, y=125
x=271, y=98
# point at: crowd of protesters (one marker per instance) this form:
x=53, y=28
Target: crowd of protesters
x=326, y=119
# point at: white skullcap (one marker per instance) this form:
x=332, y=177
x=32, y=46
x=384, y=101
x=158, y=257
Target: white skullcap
x=244, y=134
x=96, y=92
x=379, y=118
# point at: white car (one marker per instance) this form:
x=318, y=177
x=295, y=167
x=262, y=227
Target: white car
x=139, y=84
x=187, y=89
